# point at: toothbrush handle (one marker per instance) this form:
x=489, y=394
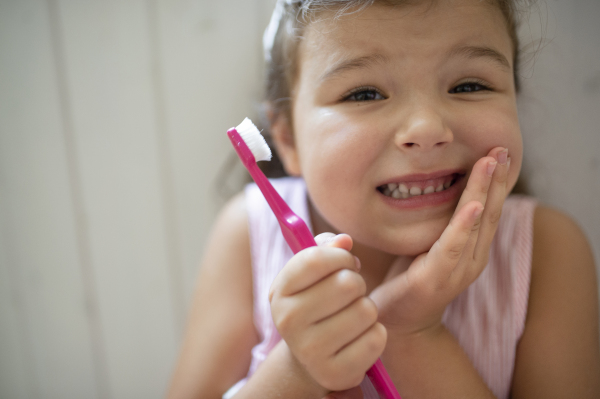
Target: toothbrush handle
x=382, y=382
x=294, y=229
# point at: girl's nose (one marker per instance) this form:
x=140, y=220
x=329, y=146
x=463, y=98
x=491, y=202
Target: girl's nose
x=422, y=131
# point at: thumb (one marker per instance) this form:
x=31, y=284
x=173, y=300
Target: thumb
x=400, y=265
x=343, y=241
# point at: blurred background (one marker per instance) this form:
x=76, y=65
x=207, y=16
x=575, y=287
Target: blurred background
x=114, y=163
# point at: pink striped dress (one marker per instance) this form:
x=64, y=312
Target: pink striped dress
x=487, y=319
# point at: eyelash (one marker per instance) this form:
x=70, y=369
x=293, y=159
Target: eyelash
x=362, y=89
x=484, y=86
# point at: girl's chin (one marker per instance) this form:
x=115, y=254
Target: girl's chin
x=400, y=238
x=404, y=246
x=411, y=251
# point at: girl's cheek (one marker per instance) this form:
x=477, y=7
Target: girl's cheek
x=493, y=127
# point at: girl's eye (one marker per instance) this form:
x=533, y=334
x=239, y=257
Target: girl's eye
x=470, y=87
x=363, y=94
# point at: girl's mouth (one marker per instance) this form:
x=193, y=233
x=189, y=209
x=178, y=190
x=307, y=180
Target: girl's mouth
x=405, y=190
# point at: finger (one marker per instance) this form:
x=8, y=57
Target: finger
x=399, y=266
x=330, y=295
x=447, y=251
x=347, y=325
x=493, y=209
x=479, y=181
x=310, y=266
x=363, y=351
x=477, y=190
x=324, y=238
x=343, y=241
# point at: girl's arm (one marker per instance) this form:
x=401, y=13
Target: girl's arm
x=216, y=352
x=220, y=334
x=558, y=355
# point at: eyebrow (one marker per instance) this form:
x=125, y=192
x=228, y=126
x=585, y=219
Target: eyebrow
x=481, y=52
x=364, y=62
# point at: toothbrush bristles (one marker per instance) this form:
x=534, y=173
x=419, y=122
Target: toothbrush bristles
x=254, y=140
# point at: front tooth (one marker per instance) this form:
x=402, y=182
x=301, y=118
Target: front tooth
x=405, y=195
x=396, y=194
x=392, y=186
x=428, y=190
x=439, y=188
x=403, y=188
x=447, y=184
x=415, y=191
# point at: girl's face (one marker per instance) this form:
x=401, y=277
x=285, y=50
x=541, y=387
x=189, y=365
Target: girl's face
x=410, y=95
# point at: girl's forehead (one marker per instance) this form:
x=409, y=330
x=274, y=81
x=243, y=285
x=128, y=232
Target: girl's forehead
x=426, y=27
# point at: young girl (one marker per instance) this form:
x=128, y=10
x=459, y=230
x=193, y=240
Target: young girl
x=398, y=123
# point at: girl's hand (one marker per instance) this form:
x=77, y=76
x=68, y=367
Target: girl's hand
x=319, y=307
x=414, y=301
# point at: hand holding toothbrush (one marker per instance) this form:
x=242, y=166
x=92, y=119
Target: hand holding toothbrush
x=320, y=309
x=251, y=146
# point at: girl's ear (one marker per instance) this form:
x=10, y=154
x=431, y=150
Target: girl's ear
x=283, y=138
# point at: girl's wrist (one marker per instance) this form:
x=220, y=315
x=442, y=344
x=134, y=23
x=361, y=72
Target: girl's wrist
x=402, y=341
x=299, y=376
x=281, y=375
x=403, y=331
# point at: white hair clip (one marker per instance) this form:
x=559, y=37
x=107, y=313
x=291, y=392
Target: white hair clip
x=271, y=31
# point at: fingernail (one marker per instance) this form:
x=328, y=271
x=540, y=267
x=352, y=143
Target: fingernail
x=503, y=156
x=491, y=167
x=477, y=212
x=332, y=238
x=357, y=261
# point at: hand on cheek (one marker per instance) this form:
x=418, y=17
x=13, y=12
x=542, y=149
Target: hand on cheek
x=319, y=307
x=415, y=300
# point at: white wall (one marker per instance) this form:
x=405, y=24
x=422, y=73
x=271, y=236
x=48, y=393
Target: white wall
x=112, y=130
x=112, y=122
x=560, y=109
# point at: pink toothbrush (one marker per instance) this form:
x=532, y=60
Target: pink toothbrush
x=252, y=147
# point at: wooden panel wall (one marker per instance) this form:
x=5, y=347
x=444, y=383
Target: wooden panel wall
x=112, y=132
x=112, y=122
x=47, y=315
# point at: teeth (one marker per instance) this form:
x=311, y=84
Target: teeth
x=401, y=190
x=415, y=191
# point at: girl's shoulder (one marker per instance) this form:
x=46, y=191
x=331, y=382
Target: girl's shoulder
x=560, y=342
x=220, y=334
x=559, y=243
x=230, y=227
